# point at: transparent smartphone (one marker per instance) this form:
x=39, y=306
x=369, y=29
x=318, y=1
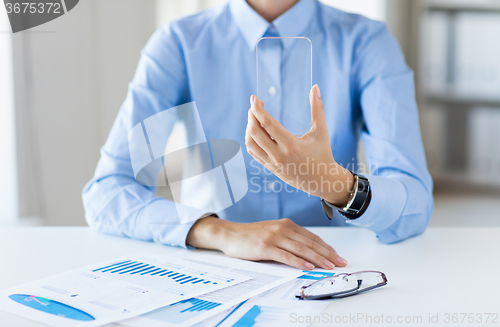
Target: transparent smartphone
x=284, y=80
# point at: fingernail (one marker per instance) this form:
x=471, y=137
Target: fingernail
x=329, y=264
x=309, y=265
x=318, y=93
x=342, y=261
x=252, y=99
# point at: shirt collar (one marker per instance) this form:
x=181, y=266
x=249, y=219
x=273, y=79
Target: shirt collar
x=291, y=23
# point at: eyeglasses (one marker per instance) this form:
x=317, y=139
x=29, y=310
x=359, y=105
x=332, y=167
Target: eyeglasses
x=343, y=285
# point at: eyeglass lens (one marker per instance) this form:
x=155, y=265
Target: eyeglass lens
x=343, y=283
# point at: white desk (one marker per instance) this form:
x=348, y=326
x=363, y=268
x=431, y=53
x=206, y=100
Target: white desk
x=445, y=270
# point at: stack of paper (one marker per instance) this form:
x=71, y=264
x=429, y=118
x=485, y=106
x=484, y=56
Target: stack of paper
x=188, y=288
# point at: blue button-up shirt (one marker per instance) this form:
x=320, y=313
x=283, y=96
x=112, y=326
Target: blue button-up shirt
x=209, y=58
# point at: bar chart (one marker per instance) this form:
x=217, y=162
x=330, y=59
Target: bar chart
x=182, y=311
x=269, y=312
x=262, y=316
x=130, y=267
x=198, y=305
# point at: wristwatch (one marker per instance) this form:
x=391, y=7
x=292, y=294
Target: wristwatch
x=359, y=199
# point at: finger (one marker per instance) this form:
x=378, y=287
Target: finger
x=280, y=255
x=262, y=162
x=257, y=158
x=259, y=134
x=324, y=256
x=310, y=235
x=304, y=251
x=318, y=119
x=333, y=256
x=255, y=150
x=271, y=125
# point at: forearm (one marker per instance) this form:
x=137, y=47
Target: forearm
x=208, y=233
x=339, y=187
x=118, y=205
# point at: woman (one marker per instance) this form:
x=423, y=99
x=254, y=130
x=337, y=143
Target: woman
x=367, y=92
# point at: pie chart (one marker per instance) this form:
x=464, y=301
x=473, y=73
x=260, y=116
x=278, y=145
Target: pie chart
x=51, y=307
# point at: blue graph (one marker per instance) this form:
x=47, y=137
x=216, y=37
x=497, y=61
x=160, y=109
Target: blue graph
x=182, y=311
x=264, y=316
x=315, y=275
x=199, y=305
x=50, y=306
x=131, y=267
x=249, y=319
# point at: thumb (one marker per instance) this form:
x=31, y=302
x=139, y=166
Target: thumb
x=318, y=119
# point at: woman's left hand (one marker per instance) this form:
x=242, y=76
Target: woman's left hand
x=305, y=162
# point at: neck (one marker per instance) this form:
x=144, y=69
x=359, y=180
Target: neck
x=271, y=9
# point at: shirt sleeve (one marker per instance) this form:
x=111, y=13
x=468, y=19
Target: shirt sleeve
x=114, y=202
x=402, y=202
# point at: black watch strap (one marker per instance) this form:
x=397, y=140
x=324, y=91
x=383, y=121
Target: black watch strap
x=360, y=198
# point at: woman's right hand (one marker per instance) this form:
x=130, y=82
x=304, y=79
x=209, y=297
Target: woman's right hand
x=278, y=240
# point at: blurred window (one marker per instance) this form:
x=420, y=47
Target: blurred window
x=8, y=171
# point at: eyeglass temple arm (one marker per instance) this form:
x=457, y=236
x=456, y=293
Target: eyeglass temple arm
x=356, y=290
x=331, y=295
x=340, y=295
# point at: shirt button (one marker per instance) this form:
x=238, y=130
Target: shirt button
x=271, y=186
x=272, y=91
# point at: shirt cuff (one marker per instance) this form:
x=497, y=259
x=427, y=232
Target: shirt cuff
x=387, y=203
x=165, y=224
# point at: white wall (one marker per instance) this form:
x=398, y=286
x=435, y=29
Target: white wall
x=374, y=9
x=168, y=10
x=8, y=171
x=71, y=78
x=172, y=9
